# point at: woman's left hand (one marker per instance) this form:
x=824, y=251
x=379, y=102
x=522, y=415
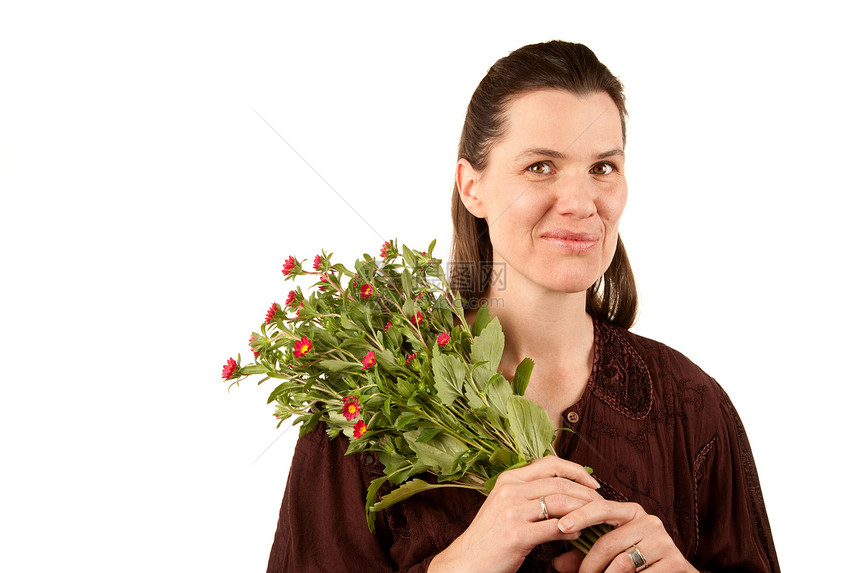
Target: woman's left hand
x=610, y=553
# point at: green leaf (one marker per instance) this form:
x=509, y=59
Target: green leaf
x=522, y=375
x=481, y=374
x=488, y=346
x=476, y=402
x=388, y=361
x=498, y=393
x=406, y=283
x=308, y=426
x=281, y=389
x=369, y=502
x=404, y=420
x=530, y=427
x=503, y=457
x=482, y=319
x=405, y=491
x=428, y=434
x=439, y=453
x=339, y=365
x=408, y=257
x=449, y=372
x=252, y=369
x=342, y=269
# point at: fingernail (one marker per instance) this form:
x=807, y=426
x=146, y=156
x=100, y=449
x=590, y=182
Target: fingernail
x=565, y=524
x=596, y=483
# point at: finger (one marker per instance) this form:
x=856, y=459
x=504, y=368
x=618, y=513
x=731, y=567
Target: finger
x=559, y=506
x=609, y=553
x=568, y=562
x=532, y=510
x=534, y=534
x=552, y=466
x=554, y=486
x=600, y=511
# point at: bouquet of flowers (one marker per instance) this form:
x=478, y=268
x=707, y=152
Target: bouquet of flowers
x=382, y=353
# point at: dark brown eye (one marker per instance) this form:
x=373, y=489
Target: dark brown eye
x=603, y=169
x=541, y=168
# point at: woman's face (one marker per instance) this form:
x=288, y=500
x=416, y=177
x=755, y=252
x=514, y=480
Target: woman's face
x=553, y=190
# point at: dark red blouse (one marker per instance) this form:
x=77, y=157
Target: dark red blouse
x=656, y=429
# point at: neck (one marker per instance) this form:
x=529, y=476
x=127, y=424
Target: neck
x=548, y=326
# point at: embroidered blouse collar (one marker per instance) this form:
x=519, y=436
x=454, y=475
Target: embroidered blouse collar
x=619, y=376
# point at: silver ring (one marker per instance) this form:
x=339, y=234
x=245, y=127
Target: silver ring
x=638, y=559
x=544, y=512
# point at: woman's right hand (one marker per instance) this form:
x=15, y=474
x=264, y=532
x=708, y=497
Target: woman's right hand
x=509, y=524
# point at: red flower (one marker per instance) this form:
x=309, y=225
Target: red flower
x=387, y=325
x=270, y=314
x=299, y=308
x=350, y=407
x=317, y=261
x=366, y=291
x=411, y=357
x=289, y=264
x=251, y=344
x=443, y=339
x=302, y=347
x=359, y=429
x=291, y=297
x=229, y=369
x=386, y=251
x=368, y=360
x=323, y=278
x=417, y=318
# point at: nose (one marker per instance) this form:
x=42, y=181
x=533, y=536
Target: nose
x=575, y=196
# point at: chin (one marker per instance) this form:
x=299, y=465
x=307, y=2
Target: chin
x=572, y=285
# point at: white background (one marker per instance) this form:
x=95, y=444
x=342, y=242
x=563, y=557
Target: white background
x=147, y=208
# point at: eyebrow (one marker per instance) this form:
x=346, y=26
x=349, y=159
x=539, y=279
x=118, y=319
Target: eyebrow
x=544, y=152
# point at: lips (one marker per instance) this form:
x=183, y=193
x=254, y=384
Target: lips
x=570, y=241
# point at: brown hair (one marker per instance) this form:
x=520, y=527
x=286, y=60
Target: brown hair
x=551, y=65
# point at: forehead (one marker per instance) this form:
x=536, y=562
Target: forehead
x=563, y=121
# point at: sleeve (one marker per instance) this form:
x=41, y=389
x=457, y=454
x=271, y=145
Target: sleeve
x=732, y=528
x=322, y=526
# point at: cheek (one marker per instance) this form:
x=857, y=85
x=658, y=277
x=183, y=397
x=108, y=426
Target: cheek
x=611, y=207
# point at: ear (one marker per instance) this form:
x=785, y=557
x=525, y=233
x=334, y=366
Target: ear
x=468, y=183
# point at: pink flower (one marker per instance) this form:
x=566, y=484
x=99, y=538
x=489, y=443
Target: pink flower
x=387, y=325
x=366, y=291
x=270, y=314
x=229, y=369
x=302, y=347
x=289, y=264
x=386, y=251
x=359, y=429
x=368, y=361
x=443, y=339
x=417, y=318
x=317, y=261
x=350, y=407
x=291, y=297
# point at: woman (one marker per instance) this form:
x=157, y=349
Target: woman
x=540, y=189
